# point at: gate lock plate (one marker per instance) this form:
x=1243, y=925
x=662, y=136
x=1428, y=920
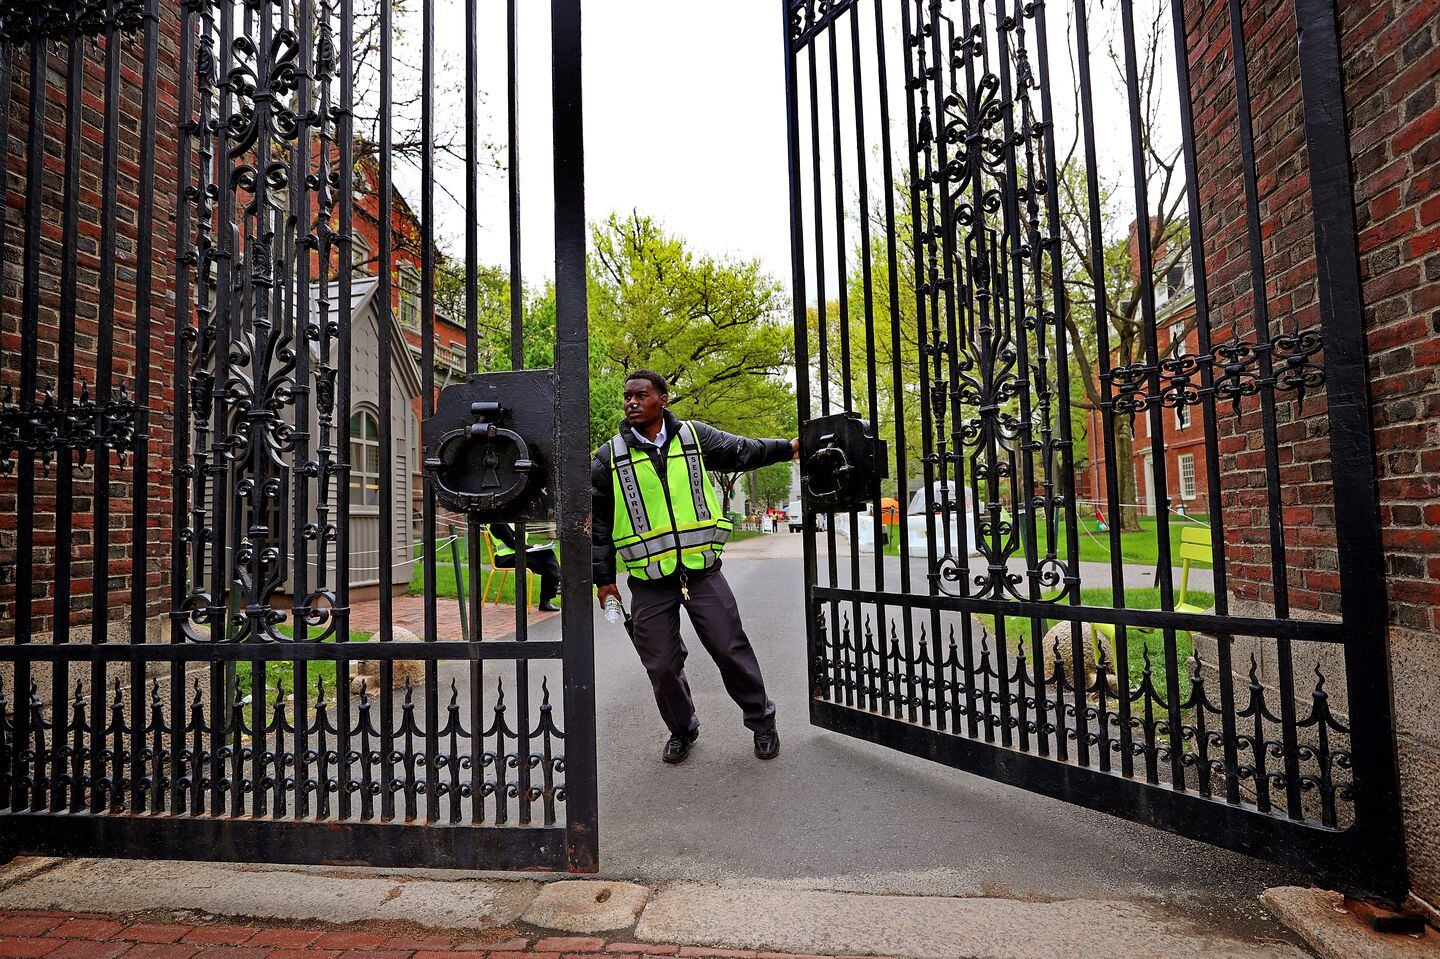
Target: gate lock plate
x=840, y=461
x=490, y=447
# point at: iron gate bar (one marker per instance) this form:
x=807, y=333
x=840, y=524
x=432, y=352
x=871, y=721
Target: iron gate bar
x=985, y=228
x=572, y=363
x=430, y=651
x=1164, y=569
x=1201, y=283
x=1364, y=603
x=1104, y=358
x=442, y=845
x=1279, y=571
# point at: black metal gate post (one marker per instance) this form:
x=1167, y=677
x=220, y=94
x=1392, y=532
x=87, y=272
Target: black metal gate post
x=282, y=717
x=1025, y=656
x=1379, y=829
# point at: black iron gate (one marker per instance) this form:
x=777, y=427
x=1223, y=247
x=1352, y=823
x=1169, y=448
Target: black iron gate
x=961, y=176
x=224, y=326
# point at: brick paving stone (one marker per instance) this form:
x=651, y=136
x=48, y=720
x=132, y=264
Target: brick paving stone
x=153, y=932
x=375, y=954
x=87, y=928
x=570, y=944
x=647, y=948
x=717, y=953
x=284, y=938
x=28, y=925
x=512, y=955
x=221, y=935
x=417, y=943
x=18, y=947
x=348, y=940
x=161, y=950
x=233, y=952
x=90, y=949
x=513, y=944
x=304, y=954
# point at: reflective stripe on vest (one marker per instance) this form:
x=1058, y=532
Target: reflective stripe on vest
x=499, y=547
x=658, y=520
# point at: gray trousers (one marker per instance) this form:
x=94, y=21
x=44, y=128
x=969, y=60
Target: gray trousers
x=655, y=607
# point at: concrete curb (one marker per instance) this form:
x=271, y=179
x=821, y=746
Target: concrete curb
x=682, y=914
x=1319, y=917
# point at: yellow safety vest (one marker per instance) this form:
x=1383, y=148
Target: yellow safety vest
x=660, y=523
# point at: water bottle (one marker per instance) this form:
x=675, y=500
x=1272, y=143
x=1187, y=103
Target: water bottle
x=614, y=612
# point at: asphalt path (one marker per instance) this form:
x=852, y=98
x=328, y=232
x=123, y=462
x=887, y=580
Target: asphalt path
x=836, y=813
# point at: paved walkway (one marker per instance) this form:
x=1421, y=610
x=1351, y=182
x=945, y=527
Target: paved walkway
x=50, y=909
x=497, y=620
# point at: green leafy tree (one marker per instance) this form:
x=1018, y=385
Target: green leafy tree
x=716, y=328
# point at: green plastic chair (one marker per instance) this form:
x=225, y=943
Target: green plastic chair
x=1195, y=547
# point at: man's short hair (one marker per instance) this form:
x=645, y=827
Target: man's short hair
x=656, y=380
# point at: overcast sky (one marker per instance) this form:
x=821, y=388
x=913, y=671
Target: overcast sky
x=684, y=120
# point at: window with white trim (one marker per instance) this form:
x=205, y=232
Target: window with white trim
x=359, y=252
x=364, y=460
x=408, y=283
x=1182, y=416
x=1186, y=463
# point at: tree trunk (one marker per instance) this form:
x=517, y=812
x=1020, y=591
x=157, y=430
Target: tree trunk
x=1125, y=465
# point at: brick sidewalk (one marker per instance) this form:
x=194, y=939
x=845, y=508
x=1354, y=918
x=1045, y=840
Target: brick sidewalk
x=497, y=620
x=66, y=935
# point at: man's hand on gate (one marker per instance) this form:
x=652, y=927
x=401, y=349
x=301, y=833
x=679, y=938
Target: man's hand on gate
x=605, y=592
x=795, y=445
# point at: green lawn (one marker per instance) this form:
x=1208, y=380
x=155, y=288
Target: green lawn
x=1142, y=548
x=281, y=673
x=445, y=585
x=740, y=534
x=1138, y=640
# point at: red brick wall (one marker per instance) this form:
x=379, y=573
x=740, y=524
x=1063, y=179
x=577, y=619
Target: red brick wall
x=1391, y=61
x=86, y=254
x=1392, y=65
x=1302, y=446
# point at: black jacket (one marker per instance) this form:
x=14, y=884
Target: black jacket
x=723, y=452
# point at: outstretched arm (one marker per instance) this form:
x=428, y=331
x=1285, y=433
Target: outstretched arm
x=729, y=453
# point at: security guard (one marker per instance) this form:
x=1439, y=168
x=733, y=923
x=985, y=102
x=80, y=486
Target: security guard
x=656, y=508
x=537, y=560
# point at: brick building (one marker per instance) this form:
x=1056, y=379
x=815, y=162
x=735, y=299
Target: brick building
x=1183, y=440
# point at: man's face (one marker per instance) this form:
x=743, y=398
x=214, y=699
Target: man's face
x=643, y=403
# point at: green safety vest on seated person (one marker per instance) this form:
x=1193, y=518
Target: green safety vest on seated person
x=659, y=522
x=501, y=549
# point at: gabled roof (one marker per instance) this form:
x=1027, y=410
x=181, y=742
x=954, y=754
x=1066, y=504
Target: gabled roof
x=363, y=291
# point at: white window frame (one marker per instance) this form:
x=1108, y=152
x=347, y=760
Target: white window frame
x=359, y=443
x=359, y=252
x=1185, y=466
x=1183, y=417
x=408, y=286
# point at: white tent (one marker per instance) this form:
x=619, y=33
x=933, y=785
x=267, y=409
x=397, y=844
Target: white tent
x=918, y=528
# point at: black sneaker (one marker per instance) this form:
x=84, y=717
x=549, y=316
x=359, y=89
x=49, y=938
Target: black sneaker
x=548, y=606
x=678, y=747
x=767, y=744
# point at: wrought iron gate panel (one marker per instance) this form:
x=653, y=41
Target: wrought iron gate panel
x=956, y=284
x=210, y=332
